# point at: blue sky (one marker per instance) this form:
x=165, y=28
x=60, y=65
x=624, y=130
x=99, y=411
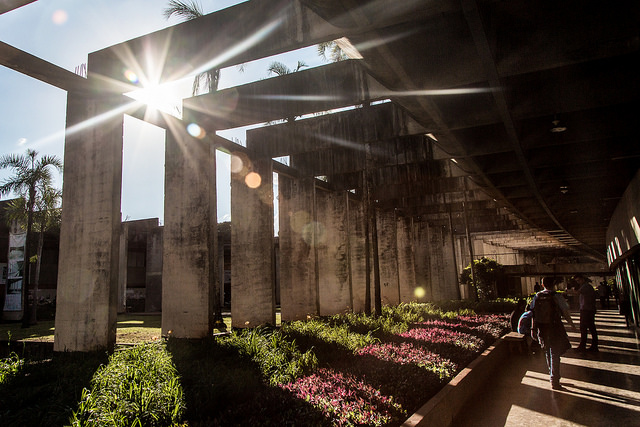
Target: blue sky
x=64, y=32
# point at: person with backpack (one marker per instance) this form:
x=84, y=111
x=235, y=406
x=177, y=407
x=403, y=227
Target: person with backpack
x=548, y=309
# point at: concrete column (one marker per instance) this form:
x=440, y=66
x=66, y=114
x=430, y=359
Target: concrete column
x=298, y=285
x=252, y=278
x=334, y=293
x=122, y=276
x=87, y=294
x=443, y=269
x=388, y=256
x=422, y=259
x=357, y=254
x=189, y=230
x=153, y=280
x=406, y=260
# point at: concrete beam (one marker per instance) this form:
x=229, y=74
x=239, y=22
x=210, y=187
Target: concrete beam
x=308, y=91
x=347, y=129
x=40, y=69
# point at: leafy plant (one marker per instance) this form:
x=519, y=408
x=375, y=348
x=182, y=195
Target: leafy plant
x=486, y=272
x=138, y=386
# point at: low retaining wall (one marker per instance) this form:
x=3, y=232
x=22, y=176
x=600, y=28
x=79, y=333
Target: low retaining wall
x=442, y=408
x=27, y=349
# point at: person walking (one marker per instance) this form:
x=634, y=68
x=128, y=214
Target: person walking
x=548, y=309
x=588, y=297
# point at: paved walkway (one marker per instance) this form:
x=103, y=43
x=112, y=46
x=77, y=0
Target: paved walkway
x=600, y=389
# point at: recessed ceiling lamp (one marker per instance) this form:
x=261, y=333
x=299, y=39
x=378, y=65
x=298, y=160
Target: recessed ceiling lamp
x=557, y=127
x=564, y=189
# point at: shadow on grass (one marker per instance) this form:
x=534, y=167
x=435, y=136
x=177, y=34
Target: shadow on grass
x=46, y=391
x=221, y=389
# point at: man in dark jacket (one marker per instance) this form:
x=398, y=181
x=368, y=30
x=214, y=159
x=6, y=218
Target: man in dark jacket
x=588, y=296
x=549, y=331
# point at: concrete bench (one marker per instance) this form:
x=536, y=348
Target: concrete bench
x=516, y=342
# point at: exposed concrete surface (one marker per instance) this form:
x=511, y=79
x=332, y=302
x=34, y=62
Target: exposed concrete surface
x=188, y=237
x=252, y=280
x=89, y=236
x=298, y=285
x=357, y=254
x=331, y=239
x=388, y=257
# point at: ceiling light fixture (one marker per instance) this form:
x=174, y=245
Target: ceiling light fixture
x=564, y=189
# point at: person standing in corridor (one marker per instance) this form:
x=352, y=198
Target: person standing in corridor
x=588, y=297
x=548, y=308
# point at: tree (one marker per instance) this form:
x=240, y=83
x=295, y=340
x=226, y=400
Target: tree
x=331, y=51
x=487, y=272
x=188, y=10
x=46, y=217
x=31, y=178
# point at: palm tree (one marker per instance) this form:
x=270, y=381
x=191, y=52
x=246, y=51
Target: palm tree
x=188, y=10
x=280, y=69
x=335, y=52
x=30, y=177
x=46, y=217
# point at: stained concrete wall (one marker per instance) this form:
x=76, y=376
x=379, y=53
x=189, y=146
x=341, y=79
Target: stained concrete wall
x=357, y=254
x=388, y=257
x=406, y=259
x=87, y=294
x=334, y=292
x=422, y=261
x=190, y=234
x=252, y=275
x=298, y=274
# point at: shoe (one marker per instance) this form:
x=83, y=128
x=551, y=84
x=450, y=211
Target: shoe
x=593, y=350
x=580, y=349
x=557, y=387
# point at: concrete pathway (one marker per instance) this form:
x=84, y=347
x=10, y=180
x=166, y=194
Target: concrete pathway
x=600, y=389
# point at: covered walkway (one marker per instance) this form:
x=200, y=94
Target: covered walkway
x=600, y=389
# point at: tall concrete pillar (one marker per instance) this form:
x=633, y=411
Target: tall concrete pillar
x=298, y=280
x=406, y=260
x=122, y=267
x=387, y=253
x=189, y=236
x=252, y=275
x=334, y=292
x=357, y=254
x=422, y=259
x=153, y=279
x=87, y=294
x=442, y=265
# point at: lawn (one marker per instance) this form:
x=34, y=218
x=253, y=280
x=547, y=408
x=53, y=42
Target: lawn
x=342, y=370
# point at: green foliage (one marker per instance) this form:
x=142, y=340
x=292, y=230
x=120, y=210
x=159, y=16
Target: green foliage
x=486, y=272
x=138, y=386
x=10, y=367
x=279, y=360
x=331, y=332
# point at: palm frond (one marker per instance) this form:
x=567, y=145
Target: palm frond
x=278, y=68
x=183, y=9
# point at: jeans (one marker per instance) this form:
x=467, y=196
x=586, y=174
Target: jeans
x=588, y=323
x=553, y=363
